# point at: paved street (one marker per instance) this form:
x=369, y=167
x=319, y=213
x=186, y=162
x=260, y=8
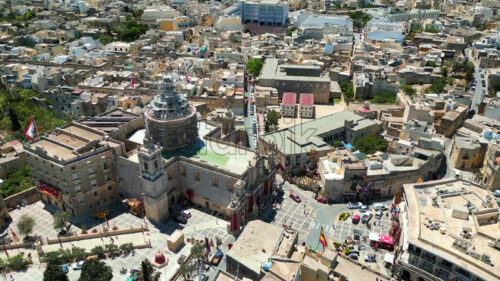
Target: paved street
x=296, y=215
x=476, y=100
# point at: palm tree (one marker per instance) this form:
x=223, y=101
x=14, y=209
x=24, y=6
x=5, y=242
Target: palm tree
x=185, y=269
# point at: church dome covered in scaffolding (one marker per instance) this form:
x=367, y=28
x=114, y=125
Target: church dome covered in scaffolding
x=170, y=120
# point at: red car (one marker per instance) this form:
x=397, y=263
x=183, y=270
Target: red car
x=295, y=197
x=355, y=219
x=321, y=199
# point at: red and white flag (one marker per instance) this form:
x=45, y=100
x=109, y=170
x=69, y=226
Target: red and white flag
x=187, y=79
x=132, y=81
x=107, y=223
x=64, y=79
x=31, y=130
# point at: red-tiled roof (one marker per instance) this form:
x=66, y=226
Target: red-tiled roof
x=307, y=99
x=289, y=98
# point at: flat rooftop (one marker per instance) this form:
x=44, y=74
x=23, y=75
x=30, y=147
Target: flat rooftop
x=303, y=137
x=457, y=206
x=256, y=244
x=65, y=142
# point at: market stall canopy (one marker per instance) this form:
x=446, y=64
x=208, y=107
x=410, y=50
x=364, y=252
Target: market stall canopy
x=386, y=239
x=374, y=236
x=389, y=258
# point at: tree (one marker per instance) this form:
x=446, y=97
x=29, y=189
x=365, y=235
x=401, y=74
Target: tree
x=254, y=67
x=469, y=71
x=290, y=30
x=15, y=125
x=407, y=89
x=146, y=270
x=18, y=263
x=271, y=120
x=95, y=270
x=338, y=144
x=384, y=97
x=78, y=253
x=438, y=86
x=370, y=144
x=127, y=247
x=185, y=269
x=54, y=272
x=98, y=251
x=444, y=72
x=60, y=220
x=53, y=257
x=347, y=90
x=111, y=249
x=25, y=225
x=430, y=63
x=359, y=19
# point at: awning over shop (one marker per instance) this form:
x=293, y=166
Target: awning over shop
x=190, y=194
x=47, y=189
x=389, y=258
x=386, y=239
x=373, y=237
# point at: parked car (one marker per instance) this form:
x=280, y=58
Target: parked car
x=181, y=219
x=78, y=265
x=321, y=199
x=354, y=205
x=201, y=277
x=366, y=217
x=217, y=258
x=186, y=213
x=65, y=268
x=295, y=197
x=363, y=208
x=370, y=257
x=496, y=192
x=379, y=206
x=355, y=219
x=353, y=256
x=379, y=214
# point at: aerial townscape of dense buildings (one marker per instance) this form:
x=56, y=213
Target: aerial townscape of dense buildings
x=273, y=140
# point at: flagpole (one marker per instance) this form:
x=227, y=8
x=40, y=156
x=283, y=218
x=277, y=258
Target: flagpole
x=34, y=124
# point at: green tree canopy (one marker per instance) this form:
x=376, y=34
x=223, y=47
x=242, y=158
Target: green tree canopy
x=407, y=89
x=18, y=263
x=25, y=225
x=347, y=90
x=359, y=18
x=95, y=270
x=254, y=67
x=271, y=120
x=370, y=144
x=60, y=220
x=17, y=180
x=469, y=71
x=98, y=251
x=54, y=272
x=444, y=72
x=384, y=97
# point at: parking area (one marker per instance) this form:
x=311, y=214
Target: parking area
x=345, y=229
x=296, y=215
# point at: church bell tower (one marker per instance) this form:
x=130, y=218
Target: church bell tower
x=152, y=174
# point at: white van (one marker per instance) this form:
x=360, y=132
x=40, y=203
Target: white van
x=379, y=206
